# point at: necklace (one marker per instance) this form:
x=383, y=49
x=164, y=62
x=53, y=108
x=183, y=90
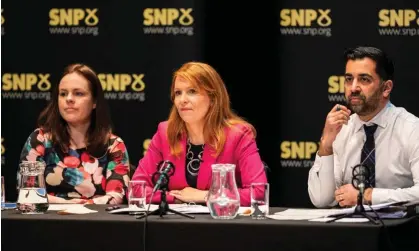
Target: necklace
x=194, y=162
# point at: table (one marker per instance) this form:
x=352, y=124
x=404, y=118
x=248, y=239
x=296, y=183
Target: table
x=104, y=231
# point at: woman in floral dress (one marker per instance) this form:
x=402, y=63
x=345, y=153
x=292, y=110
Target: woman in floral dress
x=85, y=161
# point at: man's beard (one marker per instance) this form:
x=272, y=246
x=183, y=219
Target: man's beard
x=366, y=105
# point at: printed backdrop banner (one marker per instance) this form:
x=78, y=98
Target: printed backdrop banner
x=312, y=39
x=134, y=47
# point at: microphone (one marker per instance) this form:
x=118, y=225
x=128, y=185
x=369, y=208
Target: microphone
x=165, y=169
x=360, y=177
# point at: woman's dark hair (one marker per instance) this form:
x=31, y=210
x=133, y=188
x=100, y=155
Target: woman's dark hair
x=100, y=128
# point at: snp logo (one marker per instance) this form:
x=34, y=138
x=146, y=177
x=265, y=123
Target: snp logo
x=168, y=16
x=305, y=17
x=3, y=150
x=298, y=149
x=146, y=144
x=306, y=22
x=336, y=89
x=25, y=82
x=2, y=17
x=398, y=18
x=120, y=82
x=73, y=17
x=298, y=153
x=74, y=21
x=168, y=21
x=401, y=22
x=26, y=86
x=123, y=86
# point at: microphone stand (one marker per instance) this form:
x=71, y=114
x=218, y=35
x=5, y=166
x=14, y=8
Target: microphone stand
x=359, y=208
x=163, y=205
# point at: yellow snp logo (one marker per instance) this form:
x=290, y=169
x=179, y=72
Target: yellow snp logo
x=336, y=84
x=3, y=149
x=298, y=149
x=305, y=17
x=73, y=17
x=2, y=17
x=398, y=18
x=25, y=81
x=168, y=16
x=146, y=144
x=121, y=81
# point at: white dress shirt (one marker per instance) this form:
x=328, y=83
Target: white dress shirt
x=396, y=159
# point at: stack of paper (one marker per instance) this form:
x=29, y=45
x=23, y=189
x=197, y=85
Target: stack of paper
x=327, y=214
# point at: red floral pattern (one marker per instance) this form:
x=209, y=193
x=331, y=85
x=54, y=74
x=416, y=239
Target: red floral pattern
x=83, y=173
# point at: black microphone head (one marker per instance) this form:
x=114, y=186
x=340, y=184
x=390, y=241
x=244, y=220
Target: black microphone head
x=360, y=175
x=166, y=166
x=165, y=169
x=161, y=178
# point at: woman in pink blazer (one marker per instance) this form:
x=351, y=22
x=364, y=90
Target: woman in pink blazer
x=201, y=130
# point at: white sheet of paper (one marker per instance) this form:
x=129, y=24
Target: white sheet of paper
x=71, y=208
x=291, y=217
x=134, y=209
x=354, y=220
x=305, y=214
x=190, y=209
x=321, y=214
x=60, y=207
x=79, y=210
x=182, y=208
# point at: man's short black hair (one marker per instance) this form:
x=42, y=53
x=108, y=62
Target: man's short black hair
x=384, y=65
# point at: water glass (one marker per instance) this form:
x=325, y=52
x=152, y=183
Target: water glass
x=32, y=197
x=259, y=198
x=136, y=194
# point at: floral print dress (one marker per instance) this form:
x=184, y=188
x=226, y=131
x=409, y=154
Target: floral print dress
x=79, y=175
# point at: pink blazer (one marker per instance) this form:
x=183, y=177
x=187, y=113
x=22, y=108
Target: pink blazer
x=240, y=149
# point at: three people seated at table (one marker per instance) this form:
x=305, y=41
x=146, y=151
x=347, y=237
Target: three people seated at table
x=87, y=163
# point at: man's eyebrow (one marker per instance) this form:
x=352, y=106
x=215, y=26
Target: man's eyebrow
x=365, y=75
